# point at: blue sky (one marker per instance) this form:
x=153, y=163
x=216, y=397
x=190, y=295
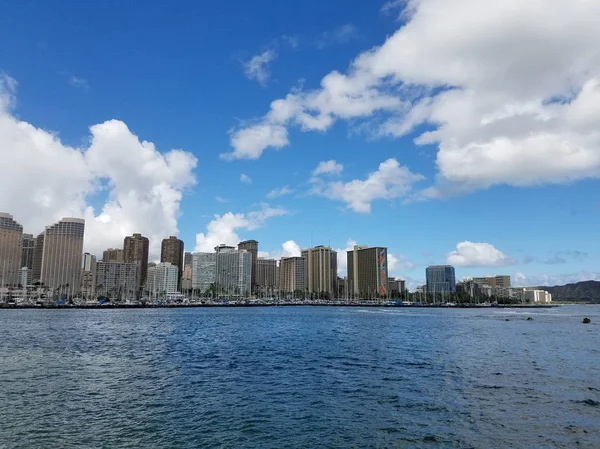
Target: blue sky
x=178, y=75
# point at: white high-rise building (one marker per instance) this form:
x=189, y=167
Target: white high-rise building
x=26, y=277
x=61, y=256
x=204, y=271
x=11, y=236
x=533, y=296
x=234, y=270
x=162, y=279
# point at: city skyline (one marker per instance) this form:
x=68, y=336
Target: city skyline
x=459, y=168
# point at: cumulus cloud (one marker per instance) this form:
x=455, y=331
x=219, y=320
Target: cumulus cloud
x=342, y=257
x=257, y=68
x=224, y=228
x=138, y=187
x=288, y=249
x=391, y=180
x=280, y=191
x=509, y=91
x=328, y=167
x=471, y=254
x=245, y=178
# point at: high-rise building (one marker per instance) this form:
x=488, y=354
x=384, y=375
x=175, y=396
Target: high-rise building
x=188, y=265
x=368, y=272
x=501, y=281
x=188, y=259
x=11, y=235
x=38, y=253
x=162, y=279
x=266, y=274
x=61, y=257
x=27, y=250
x=171, y=250
x=26, y=275
x=320, y=264
x=135, y=250
x=117, y=280
x=440, y=279
x=252, y=247
x=292, y=275
x=113, y=255
x=88, y=276
x=204, y=271
x=396, y=286
x=233, y=270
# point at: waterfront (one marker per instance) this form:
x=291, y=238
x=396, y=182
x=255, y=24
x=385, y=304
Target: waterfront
x=273, y=377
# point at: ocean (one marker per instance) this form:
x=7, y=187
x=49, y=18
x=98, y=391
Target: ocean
x=300, y=377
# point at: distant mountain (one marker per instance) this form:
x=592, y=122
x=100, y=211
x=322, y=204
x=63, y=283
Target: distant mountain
x=588, y=291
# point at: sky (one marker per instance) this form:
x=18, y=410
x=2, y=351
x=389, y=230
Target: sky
x=461, y=132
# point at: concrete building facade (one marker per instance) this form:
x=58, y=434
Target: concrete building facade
x=113, y=255
x=233, y=271
x=252, y=247
x=320, y=265
x=204, y=271
x=61, y=256
x=171, y=250
x=38, y=253
x=292, y=275
x=266, y=274
x=501, y=281
x=117, y=280
x=368, y=272
x=162, y=280
x=135, y=250
x=11, y=236
x=27, y=250
x=88, y=276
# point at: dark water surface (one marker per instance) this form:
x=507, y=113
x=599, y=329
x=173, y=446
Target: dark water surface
x=300, y=377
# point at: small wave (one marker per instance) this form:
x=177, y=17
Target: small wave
x=589, y=402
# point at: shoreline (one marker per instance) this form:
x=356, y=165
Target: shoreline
x=192, y=306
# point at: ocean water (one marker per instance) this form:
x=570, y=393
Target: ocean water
x=300, y=377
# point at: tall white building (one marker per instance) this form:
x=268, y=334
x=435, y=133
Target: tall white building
x=117, y=280
x=162, y=279
x=536, y=296
x=61, y=256
x=11, y=236
x=233, y=270
x=204, y=271
x=26, y=277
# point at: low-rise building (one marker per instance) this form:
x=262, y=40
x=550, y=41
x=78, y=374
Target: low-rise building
x=533, y=296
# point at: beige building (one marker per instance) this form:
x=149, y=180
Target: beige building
x=292, y=275
x=266, y=274
x=320, y=264
x=117, y=280
x=171, y=250
x=28, y=247
x=61, y=256
x=501, y=281
x=367, y=272
x=11, y=235
x=88, y=276
x=38, y=252
x=113, y=255
x=135, y=250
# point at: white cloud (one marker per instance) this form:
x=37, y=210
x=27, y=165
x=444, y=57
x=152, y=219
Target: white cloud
x=342, y=257
x=391, y=180
x=288, y=249
x=398, y=264
x=220, y=199
x=341, y=35
x=224, y=228
x=393, y=5
x=470, y=254
x=523, y=280
x=280, y=191
x=49, y=180
x=509, y=90
x=249, y=143
x=257, y=68
x=328, y=167
x=245, y=178
x=79, y=82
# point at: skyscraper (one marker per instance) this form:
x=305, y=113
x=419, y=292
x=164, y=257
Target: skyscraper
x=171, y=250
x=28, y=248
x=266, y=274
x=38, y=253
x=204, y=271
x=11, y=235
x=368, y=271
x=112, y=255
x=162, y=279
x=320, y=264
x=61, y=257
x=233, y=270
x=292, y=275
x=135, y=250
x=440, y=279
x=252, y=247
x=88, y=276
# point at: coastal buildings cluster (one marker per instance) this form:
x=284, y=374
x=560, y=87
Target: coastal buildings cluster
x=52, y=266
